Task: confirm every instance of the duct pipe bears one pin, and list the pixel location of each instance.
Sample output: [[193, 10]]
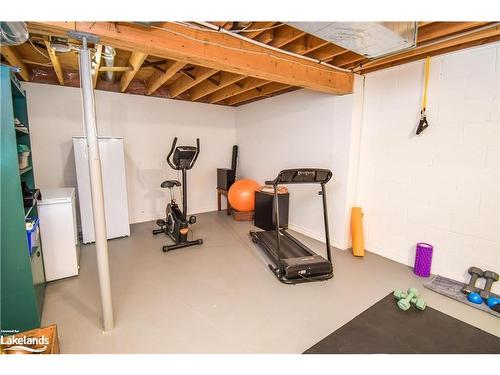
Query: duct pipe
[[13, 33], [101, 241], [109, 60]]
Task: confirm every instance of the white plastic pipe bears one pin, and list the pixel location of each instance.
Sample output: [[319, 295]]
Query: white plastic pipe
[[101, 241]]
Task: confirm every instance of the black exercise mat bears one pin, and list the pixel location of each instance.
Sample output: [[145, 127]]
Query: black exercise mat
[[385, 328]]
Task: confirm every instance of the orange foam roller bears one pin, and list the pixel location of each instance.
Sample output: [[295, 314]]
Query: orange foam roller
[[358, 243], [241, 195]]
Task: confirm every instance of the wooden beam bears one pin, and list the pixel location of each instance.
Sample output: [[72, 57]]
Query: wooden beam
[[207, 87], [13, 58], [327, 52], [213, 50], [346, 58], [262, 91], [56, 64], [440, 29], [226, 78], [265, 37], [259, 26], [97, 57], [406, 60], [116, 68], [135, 61], [246, 84], [306, 44], [158, 78], [285, 34], [31, 62], [183, 84], [488, 33], [147, 63]]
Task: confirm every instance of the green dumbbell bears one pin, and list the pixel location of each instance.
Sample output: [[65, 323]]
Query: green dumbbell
[[405, 299]]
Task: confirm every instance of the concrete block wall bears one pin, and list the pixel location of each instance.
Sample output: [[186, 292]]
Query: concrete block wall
[[441, 187]]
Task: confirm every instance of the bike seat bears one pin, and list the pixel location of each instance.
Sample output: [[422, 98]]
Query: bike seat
[[170, 184]]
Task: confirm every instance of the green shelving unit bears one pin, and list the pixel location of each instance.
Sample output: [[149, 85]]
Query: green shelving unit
[[22, 278]]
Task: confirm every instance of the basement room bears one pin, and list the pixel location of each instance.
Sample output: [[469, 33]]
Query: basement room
[[192, 185]]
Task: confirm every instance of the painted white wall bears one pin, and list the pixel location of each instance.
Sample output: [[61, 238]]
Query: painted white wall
[[148, 126], [441, 187], [301, 129]]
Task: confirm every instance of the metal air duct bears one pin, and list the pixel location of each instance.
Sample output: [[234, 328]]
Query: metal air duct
[[13, 33], [370, 39]]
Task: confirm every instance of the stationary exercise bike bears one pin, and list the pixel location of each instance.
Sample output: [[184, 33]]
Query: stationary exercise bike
[[176, 225]]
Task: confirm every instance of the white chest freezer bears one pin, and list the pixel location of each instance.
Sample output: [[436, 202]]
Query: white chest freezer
[[114, 186], [61, 251]]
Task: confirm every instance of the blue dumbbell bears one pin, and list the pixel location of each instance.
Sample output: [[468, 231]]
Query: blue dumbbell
[[492, 301], [475, 298]]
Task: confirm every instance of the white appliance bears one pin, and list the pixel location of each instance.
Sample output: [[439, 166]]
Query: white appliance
[[61, 251], [114, 186]]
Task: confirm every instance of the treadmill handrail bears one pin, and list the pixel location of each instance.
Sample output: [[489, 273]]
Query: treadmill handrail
[[291, 174], [302, 176]]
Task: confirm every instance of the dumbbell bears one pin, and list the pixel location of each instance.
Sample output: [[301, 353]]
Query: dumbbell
[[406, 299], [490, 277], [492, 301], [475, 273]]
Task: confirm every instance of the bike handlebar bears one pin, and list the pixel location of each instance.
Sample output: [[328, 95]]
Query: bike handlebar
[[174, 143]]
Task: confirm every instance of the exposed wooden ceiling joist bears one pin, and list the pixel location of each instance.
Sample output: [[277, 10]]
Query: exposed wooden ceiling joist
[[159, 78], [207, 87], [116, 68], [285, 34], [183, 84], [263, 91], [259, 28], [56, 64], [440, 29], [13, 58], [245, 84], [225, 86], [97, 58], [135, 61], [211, 49], [327, 52]]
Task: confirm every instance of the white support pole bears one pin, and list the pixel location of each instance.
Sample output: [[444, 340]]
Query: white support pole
[[101, 241]]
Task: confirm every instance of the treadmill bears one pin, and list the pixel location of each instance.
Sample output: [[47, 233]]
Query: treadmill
[[293, 262]]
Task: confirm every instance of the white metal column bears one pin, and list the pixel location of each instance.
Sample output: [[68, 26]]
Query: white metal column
[[101, 241]]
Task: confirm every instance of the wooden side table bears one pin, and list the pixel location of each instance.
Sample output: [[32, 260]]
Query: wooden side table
[[221, 192]]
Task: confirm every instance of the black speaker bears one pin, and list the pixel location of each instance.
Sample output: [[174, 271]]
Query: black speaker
[[225, 178]]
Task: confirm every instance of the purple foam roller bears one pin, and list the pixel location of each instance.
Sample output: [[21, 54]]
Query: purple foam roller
[[423, 260]]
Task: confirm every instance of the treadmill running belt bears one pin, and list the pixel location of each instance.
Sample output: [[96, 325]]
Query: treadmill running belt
[[288, 248]]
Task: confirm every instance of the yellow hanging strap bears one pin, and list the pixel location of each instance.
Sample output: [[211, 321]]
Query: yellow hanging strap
[[426, 81], [423, 124]]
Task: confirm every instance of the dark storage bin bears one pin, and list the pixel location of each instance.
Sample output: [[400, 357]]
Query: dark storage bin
[[225, 178], [264, 210]]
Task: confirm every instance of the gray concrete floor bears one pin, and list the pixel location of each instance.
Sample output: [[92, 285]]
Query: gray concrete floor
[[221, 297]]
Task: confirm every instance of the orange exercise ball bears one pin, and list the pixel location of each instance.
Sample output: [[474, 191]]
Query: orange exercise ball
[[241, 195]]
